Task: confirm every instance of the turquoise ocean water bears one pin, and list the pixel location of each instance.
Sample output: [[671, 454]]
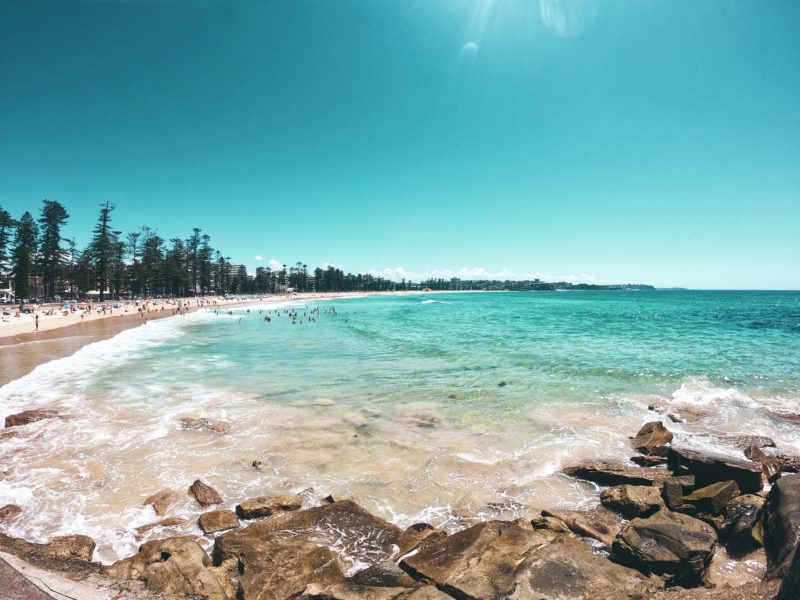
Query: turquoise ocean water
[[439, 407]]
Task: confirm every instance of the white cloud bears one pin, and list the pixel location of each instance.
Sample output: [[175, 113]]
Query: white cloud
[[275, 264], [258, 258]]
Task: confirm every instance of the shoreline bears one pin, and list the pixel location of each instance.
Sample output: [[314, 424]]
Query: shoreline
[[22, 350]]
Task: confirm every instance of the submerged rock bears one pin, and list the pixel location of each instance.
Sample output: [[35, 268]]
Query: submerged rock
[[204, 424], [168, 522], [161, 501], [218, 520], [175, 565], [633, 500], [745, 441], [708, 468], [614, 473], [669, 544], [204, 494], [30, 416], [9, 512], [265, 506], [782, 525], [653, 439]]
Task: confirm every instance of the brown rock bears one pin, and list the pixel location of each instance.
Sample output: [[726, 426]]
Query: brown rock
[[218, 520], [673, 545], [653, 439], [566, 568], [30, 416], [176, 565], [633, 500], [770, 465], [203, 424], [742, 529], [599, 523], [265, 506], [790, 587], [613, 473], [713, 498], [71, 554], [350, 591], [384, 574], [745, 441], [161, 501], [168, 522], [427, 592], [9, 512], [72, 546], [204, 494], [672, 492], [344, 525], [750, 591], [273, 567], [648, 461], [708, 468], [785, 416], [417, 534], [782, 525], [478, 562]]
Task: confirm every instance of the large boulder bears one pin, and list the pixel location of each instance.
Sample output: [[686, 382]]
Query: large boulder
[[265, 506], [653, 439], [633, 500], [782, 525], [293, 549], [713, 498], [204, 494], [30, 416], [478, 562], [669, 544], [277, 567], [176, 565], [743, 529], [598, 523], [709, 467], [790, 586], [615, 473], [566, 568]]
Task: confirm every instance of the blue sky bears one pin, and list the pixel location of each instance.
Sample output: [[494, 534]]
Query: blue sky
[[599, 141]]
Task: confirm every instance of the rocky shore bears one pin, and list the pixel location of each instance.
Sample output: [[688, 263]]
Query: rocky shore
[[662, 519]]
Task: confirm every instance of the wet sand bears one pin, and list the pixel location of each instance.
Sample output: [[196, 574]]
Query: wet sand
[[20, 354]]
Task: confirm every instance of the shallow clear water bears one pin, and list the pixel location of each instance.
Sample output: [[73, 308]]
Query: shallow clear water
[[446, 407]]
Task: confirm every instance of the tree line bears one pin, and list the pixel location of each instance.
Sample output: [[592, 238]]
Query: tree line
[[42, 264]]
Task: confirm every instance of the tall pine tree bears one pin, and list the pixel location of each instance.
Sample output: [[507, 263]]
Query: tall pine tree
[[24, 255], [54, 215]]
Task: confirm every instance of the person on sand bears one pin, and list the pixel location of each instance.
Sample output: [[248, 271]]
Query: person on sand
[[36, 320]]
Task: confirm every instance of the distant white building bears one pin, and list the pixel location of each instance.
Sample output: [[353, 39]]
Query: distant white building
[[6, 291]]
